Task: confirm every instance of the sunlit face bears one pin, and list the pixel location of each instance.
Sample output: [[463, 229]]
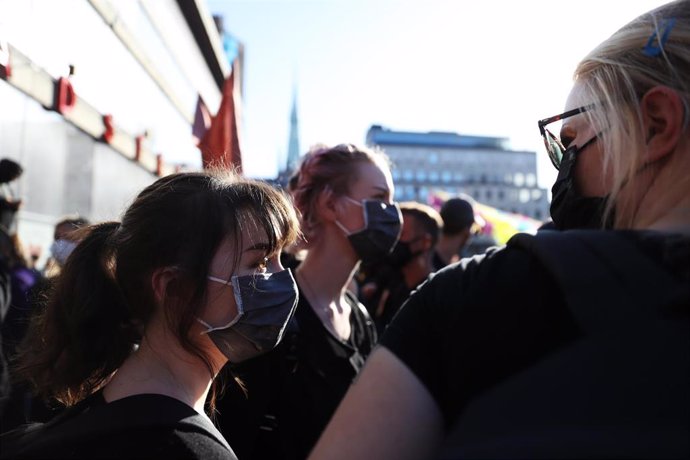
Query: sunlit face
[[589, 174], [374, 182], [221, 307]]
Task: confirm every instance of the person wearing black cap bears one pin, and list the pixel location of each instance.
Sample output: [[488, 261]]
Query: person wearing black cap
[[458, 217]]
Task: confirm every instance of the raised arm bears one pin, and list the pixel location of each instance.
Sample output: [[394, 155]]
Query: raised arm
[[387, 414]]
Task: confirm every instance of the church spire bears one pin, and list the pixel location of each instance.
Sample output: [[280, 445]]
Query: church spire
[[293, 145]]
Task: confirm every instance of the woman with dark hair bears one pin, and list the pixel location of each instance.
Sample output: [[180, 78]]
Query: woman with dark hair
[[147, 311]]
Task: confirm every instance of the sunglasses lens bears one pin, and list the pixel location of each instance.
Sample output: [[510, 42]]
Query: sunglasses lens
[[554, 148]]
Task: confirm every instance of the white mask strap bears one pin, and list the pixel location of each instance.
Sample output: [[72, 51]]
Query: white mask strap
[[343, 228], [352, 200], [238, 302], [219, 280]]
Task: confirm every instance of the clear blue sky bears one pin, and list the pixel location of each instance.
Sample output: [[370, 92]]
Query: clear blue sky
[[483, 67]]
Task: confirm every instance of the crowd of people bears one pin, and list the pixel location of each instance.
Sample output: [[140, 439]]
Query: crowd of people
[[224, 318]]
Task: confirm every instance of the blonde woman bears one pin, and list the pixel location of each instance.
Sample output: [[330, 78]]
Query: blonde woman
[[499, 356]]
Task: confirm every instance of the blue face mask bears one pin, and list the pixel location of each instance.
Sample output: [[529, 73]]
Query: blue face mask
[[265, 304], [382, 227]]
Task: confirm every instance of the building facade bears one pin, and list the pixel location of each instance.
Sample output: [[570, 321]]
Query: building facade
[[97, 100], [443, 163]]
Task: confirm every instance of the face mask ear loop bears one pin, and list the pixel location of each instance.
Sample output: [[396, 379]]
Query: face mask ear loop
[[363, 205], [208, 327], [238, 301], [342, 227], [238, 298]]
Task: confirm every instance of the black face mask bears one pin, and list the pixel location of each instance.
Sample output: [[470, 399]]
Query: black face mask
[[402, 254], [382, 227], [569, 209]]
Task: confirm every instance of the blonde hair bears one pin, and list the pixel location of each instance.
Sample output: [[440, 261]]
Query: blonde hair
[[618, 72]]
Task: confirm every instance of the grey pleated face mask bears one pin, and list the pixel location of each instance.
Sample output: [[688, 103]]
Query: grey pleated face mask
[[265, 304]]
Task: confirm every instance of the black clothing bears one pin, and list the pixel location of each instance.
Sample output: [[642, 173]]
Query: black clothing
[[141, 426], [28, 288], [5, 301], [292, 392], [475, 245], [619, 391], [437, 262], [486, 318], [388, 300]]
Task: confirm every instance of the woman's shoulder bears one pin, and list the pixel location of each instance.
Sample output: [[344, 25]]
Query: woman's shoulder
[[493, 271], [133, 426]]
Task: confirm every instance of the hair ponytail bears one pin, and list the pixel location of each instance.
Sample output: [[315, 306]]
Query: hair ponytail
[[85, 331]]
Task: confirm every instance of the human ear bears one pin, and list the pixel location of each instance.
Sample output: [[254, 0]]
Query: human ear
[[160, 280], [662, 117], [327, 205]]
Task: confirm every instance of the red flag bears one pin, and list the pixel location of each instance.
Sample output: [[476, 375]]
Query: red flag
[[202, 121], [220, 145], [5, 64]]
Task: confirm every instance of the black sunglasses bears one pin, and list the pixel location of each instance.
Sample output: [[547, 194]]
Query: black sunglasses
[[553, 144]]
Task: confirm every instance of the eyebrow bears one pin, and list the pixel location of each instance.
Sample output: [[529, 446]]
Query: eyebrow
[[263, 246], [382, 189]]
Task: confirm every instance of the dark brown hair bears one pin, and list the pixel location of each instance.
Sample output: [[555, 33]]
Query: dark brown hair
[[103, 298], [426, 218]]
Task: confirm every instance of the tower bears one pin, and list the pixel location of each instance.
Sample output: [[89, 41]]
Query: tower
[[293, 145]]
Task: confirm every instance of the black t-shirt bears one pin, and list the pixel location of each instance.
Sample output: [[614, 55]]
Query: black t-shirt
[[460, 336], [437, 262], [141, 426], [292, 392], [389, 299], [482, 320]]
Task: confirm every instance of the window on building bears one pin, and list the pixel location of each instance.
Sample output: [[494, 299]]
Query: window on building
[[501, 195], [489, 195], [519, 179], [536, 194], [421, 175], [530, 180], [433, 176], [423, 192], [446, 176], [524, 195]]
